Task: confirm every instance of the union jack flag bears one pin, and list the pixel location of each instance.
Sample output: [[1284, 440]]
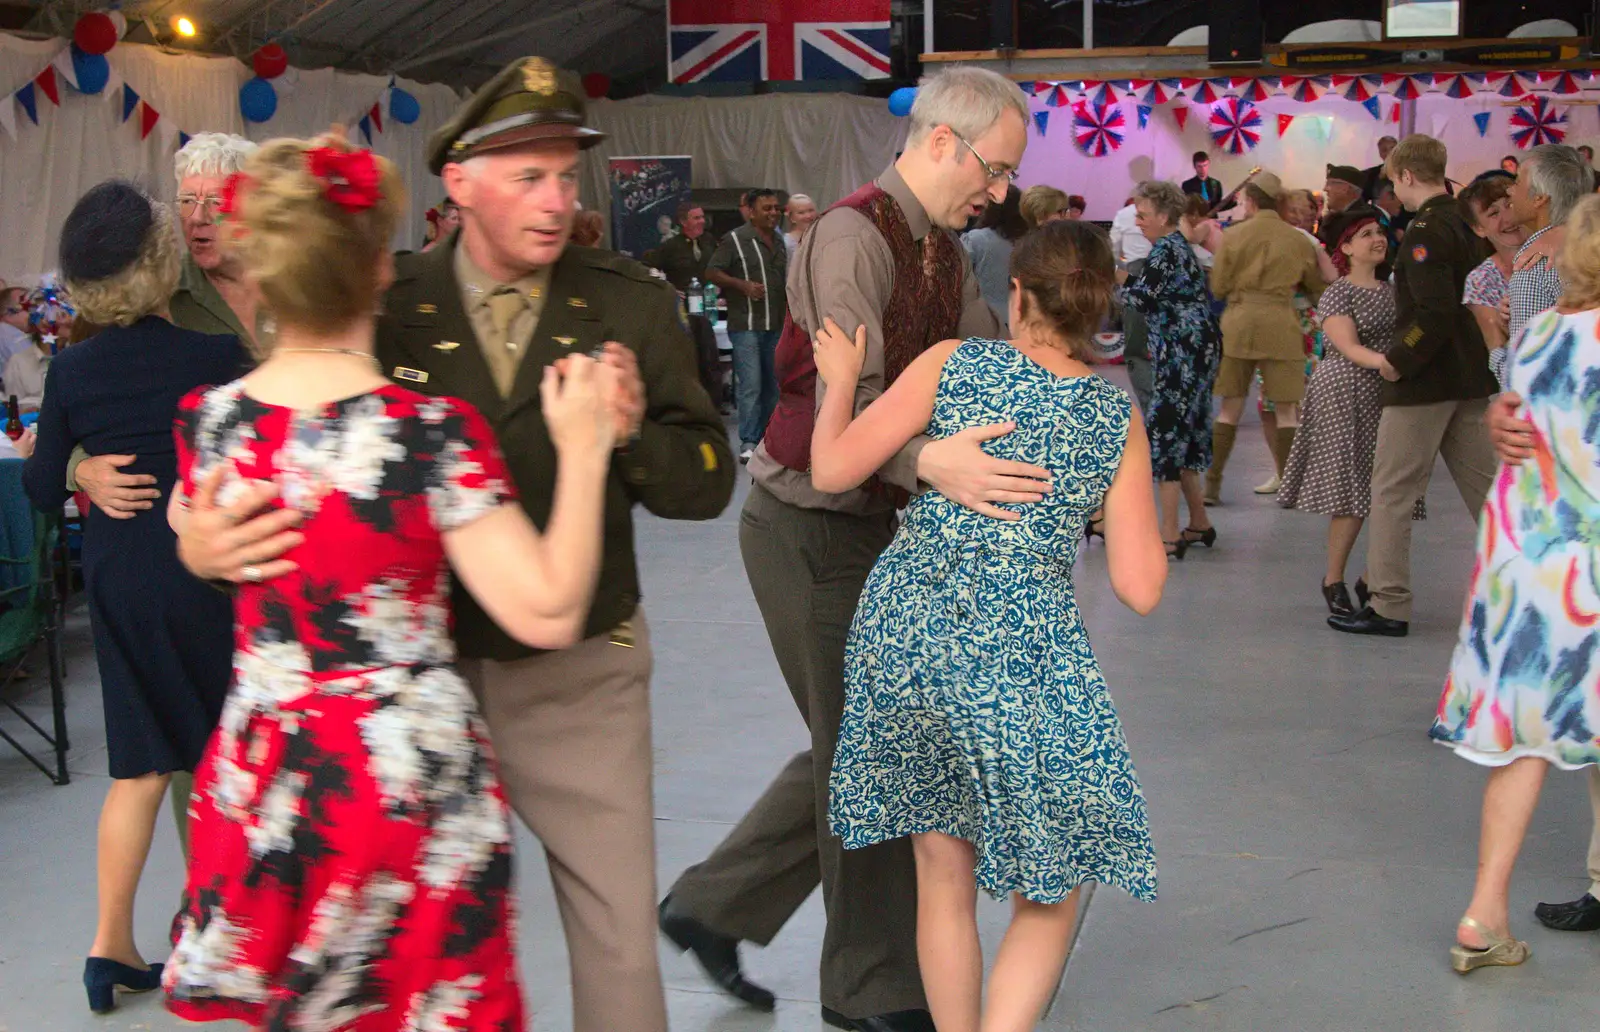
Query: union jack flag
[[749, 40]]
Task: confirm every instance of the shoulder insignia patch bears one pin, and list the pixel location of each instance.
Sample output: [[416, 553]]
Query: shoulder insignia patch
[[1419, 253]]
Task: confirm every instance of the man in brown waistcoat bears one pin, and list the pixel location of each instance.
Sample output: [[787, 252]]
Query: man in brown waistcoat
[[884, 258]]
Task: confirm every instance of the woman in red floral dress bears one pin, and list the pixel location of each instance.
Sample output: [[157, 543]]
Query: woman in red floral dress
[[352, 864]]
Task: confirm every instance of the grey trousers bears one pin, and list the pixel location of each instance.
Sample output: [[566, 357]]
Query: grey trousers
[[1594, 839], [807, 568]]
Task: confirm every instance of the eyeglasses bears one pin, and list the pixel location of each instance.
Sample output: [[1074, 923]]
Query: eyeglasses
[[188, 204], [994, 174]]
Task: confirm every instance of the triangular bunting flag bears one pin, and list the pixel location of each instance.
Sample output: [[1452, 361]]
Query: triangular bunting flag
[[8, 118], [148, 117], [1026, 87], [130, 100], [377, 117], [1284, 122], [1181, 113], [1374, 107], [1481, 120], [365, 125], [63, 66], [183, 139], [29, 102], [47, 83], [1041, 119], [1144, 115], [1394, 114]]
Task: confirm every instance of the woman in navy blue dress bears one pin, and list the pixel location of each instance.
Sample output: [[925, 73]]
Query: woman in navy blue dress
[[162, 638]]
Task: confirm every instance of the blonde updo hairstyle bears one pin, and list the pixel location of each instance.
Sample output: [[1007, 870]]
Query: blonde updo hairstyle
[[318, 266], [1067, 277], [1579, 260]]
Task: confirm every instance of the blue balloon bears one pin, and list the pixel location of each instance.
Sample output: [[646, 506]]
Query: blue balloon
[[403, 107], [258, 101], [900, 101], [92, 71]]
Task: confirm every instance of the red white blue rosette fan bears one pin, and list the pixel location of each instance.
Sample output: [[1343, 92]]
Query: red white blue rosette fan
[[1098, 128], [1539, 123], [1235, 125]]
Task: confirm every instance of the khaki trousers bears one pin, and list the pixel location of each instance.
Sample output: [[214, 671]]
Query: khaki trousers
[[1594, 839], [807, 568], [571, 732], [1409, 438]]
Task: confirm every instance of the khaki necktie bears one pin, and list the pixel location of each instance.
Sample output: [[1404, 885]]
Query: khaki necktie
[[505, 304]]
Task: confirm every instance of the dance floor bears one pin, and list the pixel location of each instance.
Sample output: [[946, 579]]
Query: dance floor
[[1315, 849]]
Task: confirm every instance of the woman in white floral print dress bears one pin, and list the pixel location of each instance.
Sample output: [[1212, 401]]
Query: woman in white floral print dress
[[352, 863]]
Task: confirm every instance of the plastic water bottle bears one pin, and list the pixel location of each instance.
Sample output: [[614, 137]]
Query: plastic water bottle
[[713, 300], [696, 297]]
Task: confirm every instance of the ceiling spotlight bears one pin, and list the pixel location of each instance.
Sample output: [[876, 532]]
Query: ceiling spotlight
[[183, 27]]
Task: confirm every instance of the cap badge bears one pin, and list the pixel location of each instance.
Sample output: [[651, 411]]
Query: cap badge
[[447, 345], [538, 76]]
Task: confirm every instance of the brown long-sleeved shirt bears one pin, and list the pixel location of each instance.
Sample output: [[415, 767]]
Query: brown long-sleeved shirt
[[843, 268]]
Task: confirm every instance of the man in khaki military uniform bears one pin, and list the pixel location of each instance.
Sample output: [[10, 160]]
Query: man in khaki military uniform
[[1261, 263], [479, 318]]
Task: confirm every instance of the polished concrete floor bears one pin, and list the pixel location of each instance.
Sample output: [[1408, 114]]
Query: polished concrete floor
[[1315, 848]]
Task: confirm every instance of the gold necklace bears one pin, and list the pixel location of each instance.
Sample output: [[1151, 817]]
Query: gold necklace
[[352, 352]]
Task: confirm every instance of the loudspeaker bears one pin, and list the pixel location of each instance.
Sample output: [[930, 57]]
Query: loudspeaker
[[1592, 49], [1235, 32]]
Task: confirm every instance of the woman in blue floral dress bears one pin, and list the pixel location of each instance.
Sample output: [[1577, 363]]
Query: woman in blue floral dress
[[1524, 688], [1185, 348], [976, 719]]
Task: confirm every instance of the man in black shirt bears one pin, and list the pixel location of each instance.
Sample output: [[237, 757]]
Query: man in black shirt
[[1202, 185]]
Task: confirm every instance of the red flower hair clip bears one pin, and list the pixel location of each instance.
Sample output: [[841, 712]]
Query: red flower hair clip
[[351, 178], [232, 195]]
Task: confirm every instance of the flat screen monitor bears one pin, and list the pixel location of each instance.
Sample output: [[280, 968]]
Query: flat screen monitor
[[1421, 19]]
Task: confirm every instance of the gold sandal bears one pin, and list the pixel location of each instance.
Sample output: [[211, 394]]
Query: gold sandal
[[1501, 951]]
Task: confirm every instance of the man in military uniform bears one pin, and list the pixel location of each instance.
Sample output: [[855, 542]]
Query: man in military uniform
[[1437, 384], [682, 259], [479, 318]]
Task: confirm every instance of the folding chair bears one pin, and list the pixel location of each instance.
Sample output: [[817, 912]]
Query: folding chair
[[28, 591]]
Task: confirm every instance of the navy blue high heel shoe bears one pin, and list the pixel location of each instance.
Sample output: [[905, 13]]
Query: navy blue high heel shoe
[[102, 978]]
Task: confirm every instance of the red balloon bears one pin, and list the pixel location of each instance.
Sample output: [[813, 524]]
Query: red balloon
[[270, 61], [596, 85], [95, 33]]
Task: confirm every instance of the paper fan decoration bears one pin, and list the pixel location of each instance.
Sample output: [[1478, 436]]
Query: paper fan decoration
[[1235, 125], [1408, 87], [1537, 124], [1308, 90], [1255, 91], [1566, 84], [1456, 86], [1098, 128]]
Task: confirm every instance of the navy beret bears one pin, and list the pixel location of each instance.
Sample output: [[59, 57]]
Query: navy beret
[[105, 231]]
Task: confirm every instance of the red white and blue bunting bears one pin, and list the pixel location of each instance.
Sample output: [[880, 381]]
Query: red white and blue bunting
[[1354, 86]]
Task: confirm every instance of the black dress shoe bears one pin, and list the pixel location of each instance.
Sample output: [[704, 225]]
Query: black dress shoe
[[898, 1021], [1369, 622], [1581, 915], [717, 954]]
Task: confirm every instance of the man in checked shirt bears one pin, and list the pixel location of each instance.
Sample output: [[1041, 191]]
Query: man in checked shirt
[[1551, 181]]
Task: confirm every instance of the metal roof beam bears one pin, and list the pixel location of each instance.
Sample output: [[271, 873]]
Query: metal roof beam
[[430, 56]]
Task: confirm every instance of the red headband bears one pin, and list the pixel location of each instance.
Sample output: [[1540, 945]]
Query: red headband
[[1341, 261]]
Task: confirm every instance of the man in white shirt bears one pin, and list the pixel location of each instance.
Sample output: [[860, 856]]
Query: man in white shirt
[[13, 324], [25, 372], [1127, 243]]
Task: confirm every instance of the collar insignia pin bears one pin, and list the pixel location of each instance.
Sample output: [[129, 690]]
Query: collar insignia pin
[[427, 309], [447, 345]]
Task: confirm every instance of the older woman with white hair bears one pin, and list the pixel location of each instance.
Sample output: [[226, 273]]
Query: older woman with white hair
[[163, 640], [801, 212], [1185, 346]]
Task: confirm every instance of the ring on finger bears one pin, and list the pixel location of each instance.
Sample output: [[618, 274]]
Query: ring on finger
[[250, 574]]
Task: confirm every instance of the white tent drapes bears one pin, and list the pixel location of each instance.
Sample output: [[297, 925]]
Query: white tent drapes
[[822, 144], [45, 168]]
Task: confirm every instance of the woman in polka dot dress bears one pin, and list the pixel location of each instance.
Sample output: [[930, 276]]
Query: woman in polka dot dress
[[1329, 470]]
